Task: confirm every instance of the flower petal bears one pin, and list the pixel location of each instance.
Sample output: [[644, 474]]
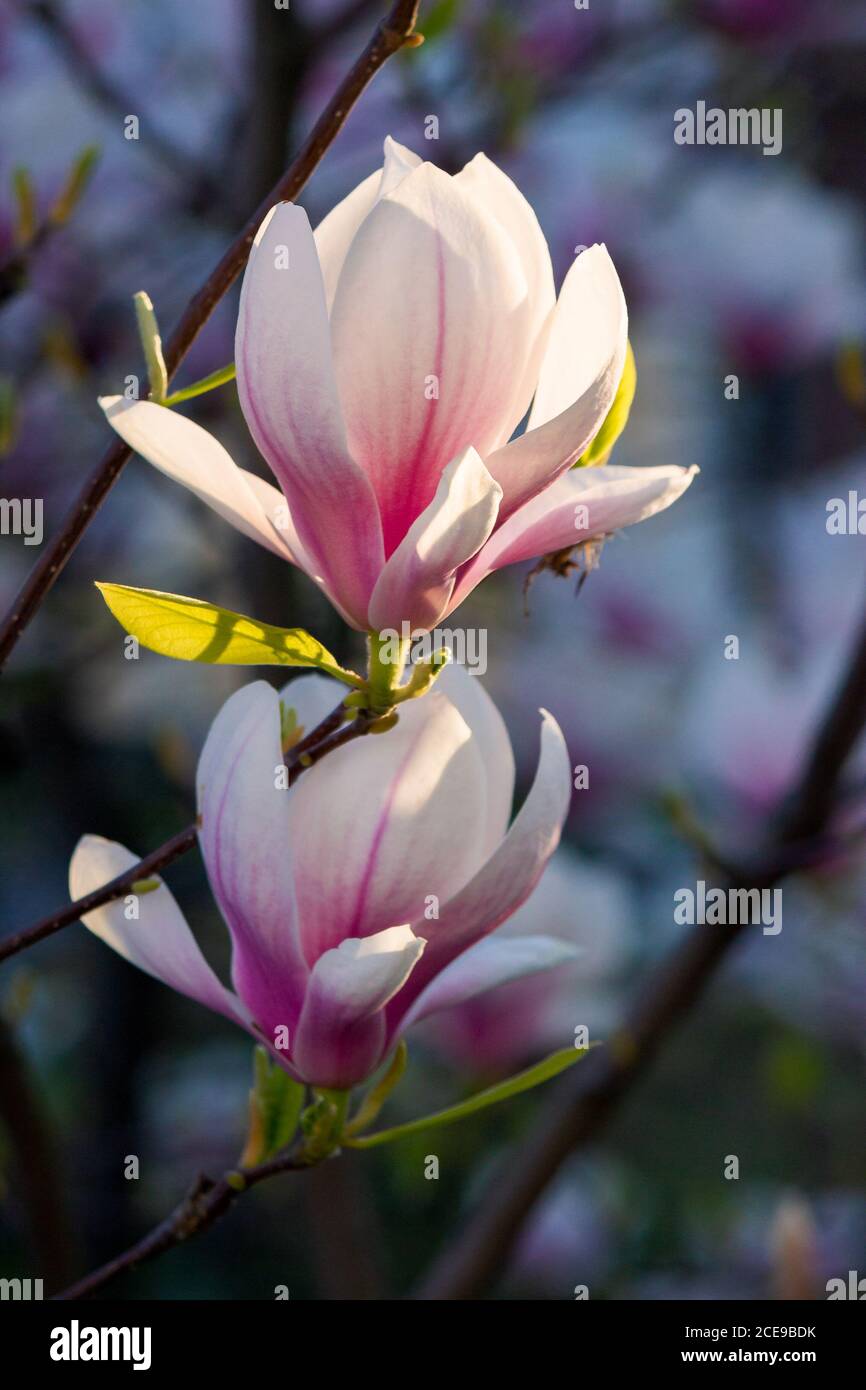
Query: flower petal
[[312, 698], [341, 1031], [431, 316], [485, 182], [582, 366], [158, 940], [289, 398], [509, 875], [418, 579], [584, 504], [490, 735], [244, 838], [188, 454], [406, 811], [491, 962], [336, 232]]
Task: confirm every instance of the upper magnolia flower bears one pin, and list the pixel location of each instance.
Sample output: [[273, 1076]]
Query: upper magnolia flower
[[383, 365], [352, 897]]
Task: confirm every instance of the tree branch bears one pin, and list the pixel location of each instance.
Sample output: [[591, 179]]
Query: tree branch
[[396, 31], [578, 1109], [153, 863], [204, 1204], [14, 270]]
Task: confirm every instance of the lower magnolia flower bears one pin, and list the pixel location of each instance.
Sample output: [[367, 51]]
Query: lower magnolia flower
[[383, 365], [352, 897]]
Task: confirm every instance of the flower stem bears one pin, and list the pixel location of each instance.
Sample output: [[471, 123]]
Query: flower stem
[[386, 662]]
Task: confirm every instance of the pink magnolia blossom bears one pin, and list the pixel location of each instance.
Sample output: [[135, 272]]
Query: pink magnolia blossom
[[383, 364], [353, 897]]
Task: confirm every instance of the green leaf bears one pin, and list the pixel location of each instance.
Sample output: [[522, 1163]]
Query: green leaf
[[280, 1098], [188, 629], [503, 1090], [198, 388], [76, 182], [145, 885], [151, 342], [275, 1108], [616, 419]]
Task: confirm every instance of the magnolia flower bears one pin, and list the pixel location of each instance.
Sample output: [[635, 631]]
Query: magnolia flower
[[383, 365], [352, 897]]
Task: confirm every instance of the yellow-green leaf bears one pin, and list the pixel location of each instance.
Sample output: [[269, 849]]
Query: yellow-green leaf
[[275, 1108], [616, 419], [77, 180], [188, 629], [503, 1090]]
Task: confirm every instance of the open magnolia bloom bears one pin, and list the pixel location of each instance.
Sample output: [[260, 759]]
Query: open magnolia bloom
[[383, 365], [352, 897]]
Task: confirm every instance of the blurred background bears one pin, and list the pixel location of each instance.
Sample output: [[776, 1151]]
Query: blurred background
[[735, 264]]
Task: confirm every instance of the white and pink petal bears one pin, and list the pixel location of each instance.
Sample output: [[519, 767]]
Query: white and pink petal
[[584, 504], [156, 936], [431, 312], [289, 397], [244, 836], [341, 1031], [491, 962], [336, 232], [583, 361], [507, 878], [189, 455], [418, 579], [384, 824]]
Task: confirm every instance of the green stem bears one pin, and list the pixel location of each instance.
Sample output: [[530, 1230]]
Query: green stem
[[324, 1123], [387, 659], [207, 383]]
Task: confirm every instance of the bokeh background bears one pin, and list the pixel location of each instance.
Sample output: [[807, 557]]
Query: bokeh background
[[734, 263]]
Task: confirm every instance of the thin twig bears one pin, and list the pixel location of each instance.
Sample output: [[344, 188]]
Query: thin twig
[[396, 31], [15, 269], [153, 863], [322, 740], [204, 1204], [578, 1109]]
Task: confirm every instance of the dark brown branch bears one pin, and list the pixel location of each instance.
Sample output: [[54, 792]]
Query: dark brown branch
[[153, 863], [305, 754], [579, 1108], [396, 31], [205, 1203]]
